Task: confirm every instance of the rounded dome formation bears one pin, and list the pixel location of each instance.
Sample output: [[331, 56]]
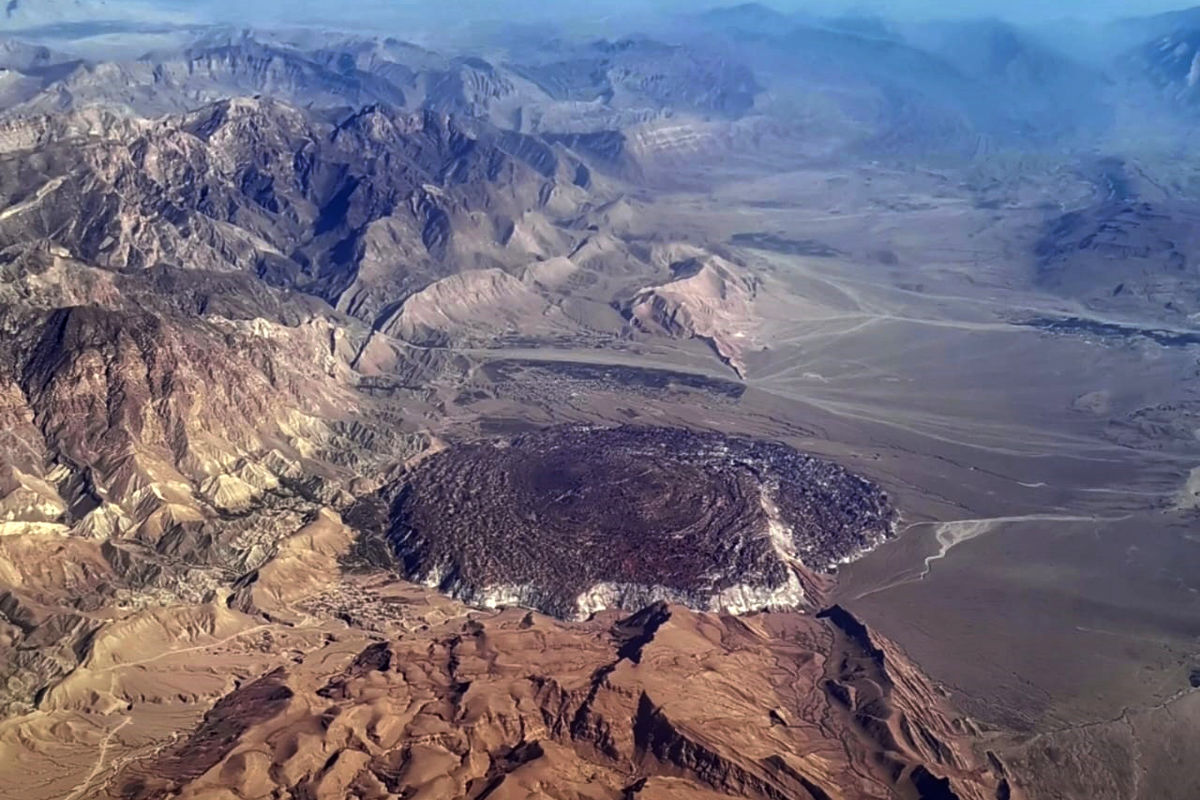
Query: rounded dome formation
[[572, 520]]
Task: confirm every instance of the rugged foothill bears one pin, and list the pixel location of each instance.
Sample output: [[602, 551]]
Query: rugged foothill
[[517, 705], [574, 519]]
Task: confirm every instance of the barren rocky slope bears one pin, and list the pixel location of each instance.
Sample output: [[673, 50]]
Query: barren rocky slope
[[287, 319], [221, 322], [516, 705], [227, 326], [355, 212]]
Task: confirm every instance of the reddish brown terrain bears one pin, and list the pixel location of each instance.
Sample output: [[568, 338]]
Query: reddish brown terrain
[[518, 705], [771, 407]]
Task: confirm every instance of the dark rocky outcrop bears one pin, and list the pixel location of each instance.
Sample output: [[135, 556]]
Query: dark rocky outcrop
[[571, 520]]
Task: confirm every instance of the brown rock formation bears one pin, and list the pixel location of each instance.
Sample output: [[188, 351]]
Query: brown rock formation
[[667, 703]]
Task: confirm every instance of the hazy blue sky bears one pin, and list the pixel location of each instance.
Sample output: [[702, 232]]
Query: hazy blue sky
[[1012, 9], [535, 9]]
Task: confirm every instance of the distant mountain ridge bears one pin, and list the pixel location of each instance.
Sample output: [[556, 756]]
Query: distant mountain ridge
[[1171, 64], [24, 14], [863, 83]]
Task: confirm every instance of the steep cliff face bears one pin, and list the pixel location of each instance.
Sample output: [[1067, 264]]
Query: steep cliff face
[[662, 704]]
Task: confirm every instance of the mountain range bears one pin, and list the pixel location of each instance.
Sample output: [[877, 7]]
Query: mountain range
[[697, 412]]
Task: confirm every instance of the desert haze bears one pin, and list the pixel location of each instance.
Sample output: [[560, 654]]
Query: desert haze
[[645, 402]]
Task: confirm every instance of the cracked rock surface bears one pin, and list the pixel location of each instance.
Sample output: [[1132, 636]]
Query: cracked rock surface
[[574, 519]]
